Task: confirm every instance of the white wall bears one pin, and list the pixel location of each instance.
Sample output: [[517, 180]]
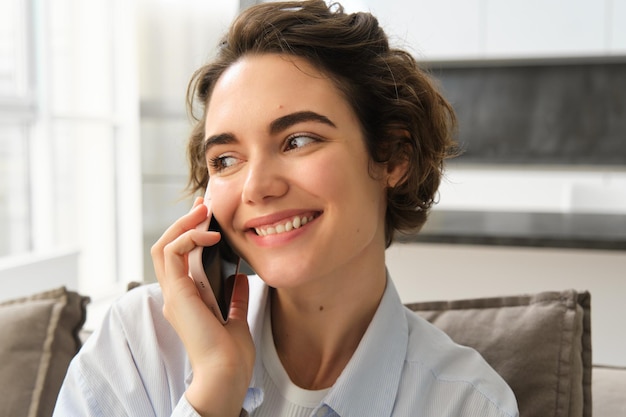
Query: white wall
[[424, 272], [475, 29]]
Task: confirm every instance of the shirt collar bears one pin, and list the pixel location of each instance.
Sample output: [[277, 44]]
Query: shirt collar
[[256, 313], [369, 383]]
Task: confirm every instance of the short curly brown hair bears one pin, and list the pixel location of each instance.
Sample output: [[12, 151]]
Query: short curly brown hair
[[402, 113]]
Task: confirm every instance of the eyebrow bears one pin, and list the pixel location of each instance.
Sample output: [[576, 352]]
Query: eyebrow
[[276, 126], [219, 139], [285, 122]]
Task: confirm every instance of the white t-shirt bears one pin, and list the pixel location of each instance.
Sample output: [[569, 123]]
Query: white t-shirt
[[281, 397]]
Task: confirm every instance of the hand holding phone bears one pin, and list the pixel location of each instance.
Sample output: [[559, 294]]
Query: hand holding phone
[[213, 268]]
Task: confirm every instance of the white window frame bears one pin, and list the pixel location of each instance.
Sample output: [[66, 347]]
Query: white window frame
[[99, 275]]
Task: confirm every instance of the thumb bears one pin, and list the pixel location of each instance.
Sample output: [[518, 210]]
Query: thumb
[[239, 301]]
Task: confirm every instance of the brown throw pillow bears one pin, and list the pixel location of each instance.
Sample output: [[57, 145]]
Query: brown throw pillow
[[540, 344], [39, 338]]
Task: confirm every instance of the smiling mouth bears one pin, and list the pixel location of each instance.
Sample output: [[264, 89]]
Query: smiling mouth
[[287, 226]]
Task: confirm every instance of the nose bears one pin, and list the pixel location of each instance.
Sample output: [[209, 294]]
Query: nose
[[264, 181]]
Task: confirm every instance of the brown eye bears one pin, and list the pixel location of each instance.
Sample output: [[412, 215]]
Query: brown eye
[[299, 141], [222, 162]]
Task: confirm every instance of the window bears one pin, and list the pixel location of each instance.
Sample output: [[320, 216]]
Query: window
[[69, 142], [16, 117], [74, 77]]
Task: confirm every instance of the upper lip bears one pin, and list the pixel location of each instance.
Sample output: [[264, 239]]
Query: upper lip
[[278, 217]]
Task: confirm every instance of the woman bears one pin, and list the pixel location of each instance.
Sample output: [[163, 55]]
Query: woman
[[317, 142]]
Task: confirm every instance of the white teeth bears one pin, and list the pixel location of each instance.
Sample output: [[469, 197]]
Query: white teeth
[[295, 223]]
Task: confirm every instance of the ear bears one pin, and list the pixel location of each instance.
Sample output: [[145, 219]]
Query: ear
[[398, 164], [396, 171]]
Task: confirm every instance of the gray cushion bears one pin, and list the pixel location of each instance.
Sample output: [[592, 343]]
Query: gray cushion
[[540, 344], [39, 338]]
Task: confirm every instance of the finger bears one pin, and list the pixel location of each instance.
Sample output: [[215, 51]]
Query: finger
[[237, 324], [179, 291], [239, 301], [175, 253], [189, 221], [182, 225]]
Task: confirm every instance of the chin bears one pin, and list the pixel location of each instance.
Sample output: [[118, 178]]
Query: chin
[[283, 276]]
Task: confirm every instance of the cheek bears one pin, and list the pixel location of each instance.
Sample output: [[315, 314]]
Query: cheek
[[224, 198], [345, 175], [323, 175]]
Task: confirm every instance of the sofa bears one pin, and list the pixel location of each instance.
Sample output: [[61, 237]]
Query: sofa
[[539, 343]]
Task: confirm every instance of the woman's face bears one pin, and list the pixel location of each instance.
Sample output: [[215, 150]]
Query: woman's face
[[290, 177]]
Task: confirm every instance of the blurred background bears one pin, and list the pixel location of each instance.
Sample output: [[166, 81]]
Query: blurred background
[[93, 128]]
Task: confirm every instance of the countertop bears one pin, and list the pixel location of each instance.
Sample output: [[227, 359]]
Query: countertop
[[556, 230]]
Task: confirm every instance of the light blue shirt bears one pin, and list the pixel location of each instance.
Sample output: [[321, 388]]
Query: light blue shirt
[[135, 365]]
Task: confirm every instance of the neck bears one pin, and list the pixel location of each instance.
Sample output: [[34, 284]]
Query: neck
[[317, 330]]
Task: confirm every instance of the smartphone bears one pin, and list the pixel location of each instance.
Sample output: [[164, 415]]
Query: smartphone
[[213, 268]]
